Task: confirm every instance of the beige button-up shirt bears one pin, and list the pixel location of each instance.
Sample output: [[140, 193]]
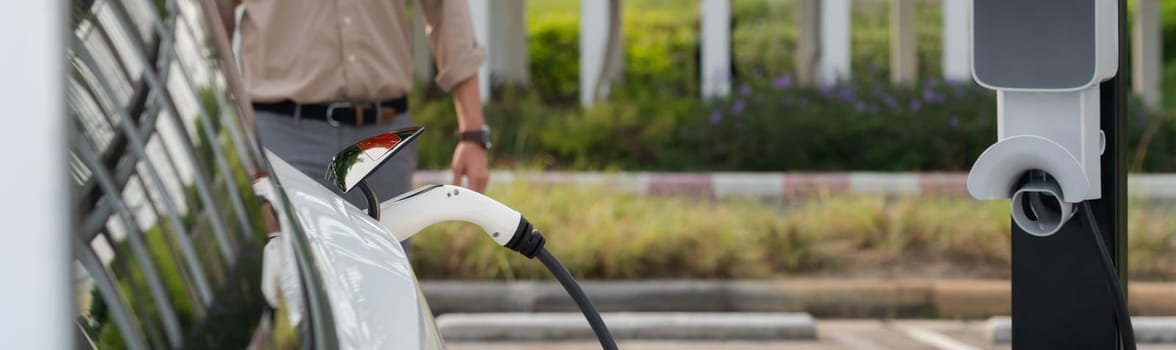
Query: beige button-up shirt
[[314, 51]]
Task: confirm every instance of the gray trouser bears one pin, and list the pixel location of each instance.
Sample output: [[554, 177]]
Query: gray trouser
[[309, 145]]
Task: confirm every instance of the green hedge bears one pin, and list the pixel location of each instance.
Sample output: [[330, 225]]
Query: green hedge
[[661, 45], [767, 125], [764, 39]]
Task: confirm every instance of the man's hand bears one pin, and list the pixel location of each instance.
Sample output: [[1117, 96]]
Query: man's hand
[[469, 161]]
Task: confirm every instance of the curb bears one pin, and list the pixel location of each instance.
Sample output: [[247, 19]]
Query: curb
[[1153, 330], [661, 326], [835, 298], [780, 184]]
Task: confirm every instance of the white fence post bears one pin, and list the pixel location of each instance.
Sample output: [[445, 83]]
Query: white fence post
[[508, 35], [422, 53], [715, 69], [836, 59], [1147, 47], [904, 60], [593, 41], [480, 16], [808, 40], [957, 40]]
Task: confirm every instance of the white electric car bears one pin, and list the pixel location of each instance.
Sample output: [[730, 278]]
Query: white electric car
[[188, 233]]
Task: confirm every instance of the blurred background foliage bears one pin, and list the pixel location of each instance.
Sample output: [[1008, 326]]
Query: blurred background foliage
[[654, 119]]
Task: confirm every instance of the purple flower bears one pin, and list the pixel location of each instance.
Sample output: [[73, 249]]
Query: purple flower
[[916, 105], [859, 107], [716, 117], [932, 96], [782, 82], [890, 102], [745, 90], [954, 121], [738, 107], [827, 91], [845, 94]]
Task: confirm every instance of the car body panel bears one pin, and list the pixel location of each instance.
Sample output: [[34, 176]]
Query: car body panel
[[174, 218], [374, 295]]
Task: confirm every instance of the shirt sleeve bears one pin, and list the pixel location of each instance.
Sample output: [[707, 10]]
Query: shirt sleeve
[[228, 11], [451, 33]]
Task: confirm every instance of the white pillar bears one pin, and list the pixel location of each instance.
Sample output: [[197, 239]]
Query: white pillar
[[835, 61], [422, 51], [1146, 49], [807, 17], [957, 40], [593, 39], [716, 48], [508, 35], [35, 256], [480, 16], [904, 60]]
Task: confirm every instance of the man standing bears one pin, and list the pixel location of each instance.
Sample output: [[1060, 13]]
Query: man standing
[[324, 74]]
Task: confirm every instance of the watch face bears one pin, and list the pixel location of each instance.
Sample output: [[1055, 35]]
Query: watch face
[[486, 137]]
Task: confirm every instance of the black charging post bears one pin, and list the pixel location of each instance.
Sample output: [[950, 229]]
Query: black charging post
[[1059, 290]]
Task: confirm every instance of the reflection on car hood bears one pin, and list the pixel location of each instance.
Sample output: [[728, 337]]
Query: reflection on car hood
[[367, 277]]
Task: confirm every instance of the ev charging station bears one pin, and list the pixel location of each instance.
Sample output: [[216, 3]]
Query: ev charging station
[[1060, 146]]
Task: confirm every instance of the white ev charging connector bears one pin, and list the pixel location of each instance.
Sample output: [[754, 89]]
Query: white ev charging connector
[[411, 212], [1046, 74]]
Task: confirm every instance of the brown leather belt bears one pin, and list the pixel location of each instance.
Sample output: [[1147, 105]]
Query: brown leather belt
[[340, 113]]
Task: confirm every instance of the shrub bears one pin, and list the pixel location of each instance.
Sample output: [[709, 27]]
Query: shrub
[[662, 42], [767, 125], [554, 46], [1168, 24], [661, 54], [770, 126], [660, 49]]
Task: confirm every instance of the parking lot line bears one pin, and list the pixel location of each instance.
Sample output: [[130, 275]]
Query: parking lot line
[[939, 341], [854, 342]]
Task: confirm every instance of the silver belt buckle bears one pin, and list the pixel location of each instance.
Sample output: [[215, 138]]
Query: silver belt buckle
[[331, 111]]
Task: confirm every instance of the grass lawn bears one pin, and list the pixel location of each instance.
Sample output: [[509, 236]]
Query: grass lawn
[[603, 234]]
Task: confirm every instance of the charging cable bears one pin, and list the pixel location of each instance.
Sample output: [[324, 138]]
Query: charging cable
[[1122, 317], [411, 212], [529, 242]]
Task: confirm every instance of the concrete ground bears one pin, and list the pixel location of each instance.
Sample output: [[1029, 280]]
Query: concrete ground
[[831, 334]]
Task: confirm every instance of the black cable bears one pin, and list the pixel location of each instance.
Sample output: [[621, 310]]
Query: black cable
[[373, 202], [1122, 316], [569, 283]]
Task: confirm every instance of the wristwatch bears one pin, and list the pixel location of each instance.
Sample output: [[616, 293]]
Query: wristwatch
[[479, 137]]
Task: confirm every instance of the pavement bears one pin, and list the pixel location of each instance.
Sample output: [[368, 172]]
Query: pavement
[[629, 325], [832, 334], [820, 297]]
